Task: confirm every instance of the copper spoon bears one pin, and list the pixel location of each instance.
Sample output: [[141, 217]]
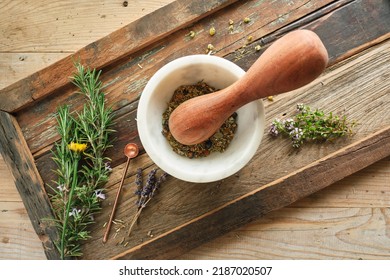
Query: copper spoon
[[131, 151], [291, 62]]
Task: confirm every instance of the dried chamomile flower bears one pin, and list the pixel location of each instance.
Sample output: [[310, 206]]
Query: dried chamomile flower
[[191, 34], [212, 31]]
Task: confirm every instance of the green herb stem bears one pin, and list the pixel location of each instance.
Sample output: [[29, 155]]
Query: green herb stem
[[68, 204]]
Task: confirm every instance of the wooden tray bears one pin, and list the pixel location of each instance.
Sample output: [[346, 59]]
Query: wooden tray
[[184, 215]]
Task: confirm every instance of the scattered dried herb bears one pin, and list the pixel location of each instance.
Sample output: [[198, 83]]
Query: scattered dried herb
[[191, 34], [311, 125], [212, 31], [218, 142], [210, 48]]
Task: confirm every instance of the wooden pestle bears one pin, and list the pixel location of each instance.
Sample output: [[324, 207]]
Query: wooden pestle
[[291, 62]]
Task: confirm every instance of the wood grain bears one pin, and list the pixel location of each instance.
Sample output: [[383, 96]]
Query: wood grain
[[299, 252], [306, 233], [52, 27], [14, 149], [109, 49], [16, 66], [18, 239]]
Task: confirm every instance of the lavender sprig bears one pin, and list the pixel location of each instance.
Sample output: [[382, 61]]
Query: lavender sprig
[[146, 192], [138, 183]]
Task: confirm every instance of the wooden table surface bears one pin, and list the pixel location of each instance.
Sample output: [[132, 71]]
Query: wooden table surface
[[347, 220]]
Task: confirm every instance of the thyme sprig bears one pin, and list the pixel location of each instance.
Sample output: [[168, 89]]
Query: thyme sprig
[[82, 169], [311, 126]]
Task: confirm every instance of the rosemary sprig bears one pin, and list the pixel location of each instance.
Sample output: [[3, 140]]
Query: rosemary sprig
[[311, 126], [82, 169]]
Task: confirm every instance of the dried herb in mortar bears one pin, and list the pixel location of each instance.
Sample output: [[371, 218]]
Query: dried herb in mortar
[[218, 142]]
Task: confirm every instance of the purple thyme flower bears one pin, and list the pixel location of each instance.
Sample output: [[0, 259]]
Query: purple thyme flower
[[296, 133], [289, 124], [301, 108], [274, 130]]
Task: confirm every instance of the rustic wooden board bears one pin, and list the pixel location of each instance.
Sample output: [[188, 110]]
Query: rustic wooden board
[[27, 180], [185, 215]]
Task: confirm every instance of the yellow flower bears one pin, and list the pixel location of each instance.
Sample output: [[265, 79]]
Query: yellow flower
[[77, 147]]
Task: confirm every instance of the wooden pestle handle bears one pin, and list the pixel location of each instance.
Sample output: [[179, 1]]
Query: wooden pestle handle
[[291, 62]]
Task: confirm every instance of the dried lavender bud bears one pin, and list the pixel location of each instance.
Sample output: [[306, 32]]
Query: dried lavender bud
[[158, 182], [147, 189], [138, 181]]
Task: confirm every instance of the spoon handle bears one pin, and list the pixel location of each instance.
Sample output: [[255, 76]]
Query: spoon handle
[[105, 237]]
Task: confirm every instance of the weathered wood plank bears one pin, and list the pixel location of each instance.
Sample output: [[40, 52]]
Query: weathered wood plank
[[16, 66], [326, 253], [18, 239], [47, 26], [368, 188], [27, 180], [223, 193], [345, 27], [105, 51], [305, 233]]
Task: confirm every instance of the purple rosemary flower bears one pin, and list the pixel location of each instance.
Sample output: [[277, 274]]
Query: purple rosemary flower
[[107, 167], [75, 212], [100, 194], [61, 187]]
